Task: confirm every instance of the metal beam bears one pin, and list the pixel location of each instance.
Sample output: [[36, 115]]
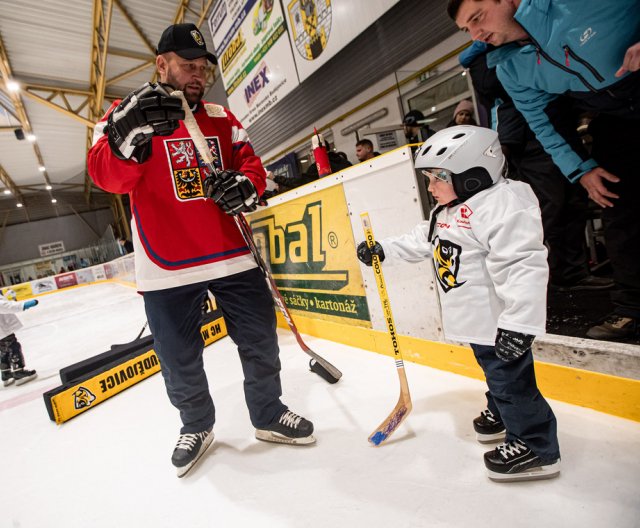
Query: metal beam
[[10, 184], [97, 82], [16, 100], [66, 111]]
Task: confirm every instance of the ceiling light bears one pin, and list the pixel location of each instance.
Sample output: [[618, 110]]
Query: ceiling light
[[7, 191], [48, 187], [53, 200], [13, 86], [31, 137], [42, 168], [19, 204]]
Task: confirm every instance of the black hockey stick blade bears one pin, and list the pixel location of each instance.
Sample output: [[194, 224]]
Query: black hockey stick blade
[[316, 367]]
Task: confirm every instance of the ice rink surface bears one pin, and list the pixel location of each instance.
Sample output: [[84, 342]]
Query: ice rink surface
[[110, 466]]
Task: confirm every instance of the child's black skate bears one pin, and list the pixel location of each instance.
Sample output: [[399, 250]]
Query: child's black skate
[[289, 428], [190, 447], [7, 377], [23, 375], [488, 427], [514, 461]]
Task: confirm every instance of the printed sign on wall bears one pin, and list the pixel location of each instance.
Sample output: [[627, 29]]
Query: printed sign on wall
[[308, 243], [254, 55]]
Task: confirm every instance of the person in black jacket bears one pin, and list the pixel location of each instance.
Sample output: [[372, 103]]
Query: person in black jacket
[[564, 206]]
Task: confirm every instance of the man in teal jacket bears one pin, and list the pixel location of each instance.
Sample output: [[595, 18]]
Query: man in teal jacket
[[589, 51]]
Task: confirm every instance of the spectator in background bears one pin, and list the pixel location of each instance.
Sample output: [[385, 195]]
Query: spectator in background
[[589, 51], [415, 127], [463, 114], [563, 205], [364, 150], [11, 358]]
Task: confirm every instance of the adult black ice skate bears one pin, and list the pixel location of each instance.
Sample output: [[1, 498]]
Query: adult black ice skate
[[514, 461], [189, 449], [488, 427], [289, 428]]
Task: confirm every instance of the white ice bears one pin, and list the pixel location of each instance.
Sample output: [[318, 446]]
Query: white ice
[[110, 466]]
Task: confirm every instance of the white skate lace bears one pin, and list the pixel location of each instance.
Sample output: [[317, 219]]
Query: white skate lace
[[188, 441], [489, 415], [509, 449], [290, 419]]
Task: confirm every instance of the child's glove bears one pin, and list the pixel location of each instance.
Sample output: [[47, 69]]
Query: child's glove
[[511, 345], [30, 304], [365, 254]]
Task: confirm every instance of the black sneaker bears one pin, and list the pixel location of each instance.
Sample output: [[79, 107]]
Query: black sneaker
[[22, 375], [514, 461], [488, 427], [288, 429], [614, 327], [190, 447], [588, 283]]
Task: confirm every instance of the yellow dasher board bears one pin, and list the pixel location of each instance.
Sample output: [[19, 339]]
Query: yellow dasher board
[[95, 386]]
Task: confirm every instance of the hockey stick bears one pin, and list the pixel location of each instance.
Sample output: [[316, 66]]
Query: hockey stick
[[317, 364], [403, 407]]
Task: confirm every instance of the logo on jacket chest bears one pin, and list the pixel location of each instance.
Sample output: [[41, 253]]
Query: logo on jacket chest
[[187, 167], [446, 259]]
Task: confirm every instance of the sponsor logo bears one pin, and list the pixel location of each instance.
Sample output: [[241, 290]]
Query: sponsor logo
[[256, 85], [232, 52], [295, 253]]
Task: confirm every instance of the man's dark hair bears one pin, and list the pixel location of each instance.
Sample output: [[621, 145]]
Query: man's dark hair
[[365, 143], [452, 8]]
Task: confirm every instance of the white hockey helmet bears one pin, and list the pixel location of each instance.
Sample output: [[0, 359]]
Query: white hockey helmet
[[469, 157], [10, 294]]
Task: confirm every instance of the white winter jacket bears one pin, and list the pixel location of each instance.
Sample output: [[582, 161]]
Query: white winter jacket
[[9, 323], [489, 261]]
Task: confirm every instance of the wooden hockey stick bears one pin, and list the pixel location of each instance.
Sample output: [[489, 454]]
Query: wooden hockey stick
[[318, 364], [403, 407]]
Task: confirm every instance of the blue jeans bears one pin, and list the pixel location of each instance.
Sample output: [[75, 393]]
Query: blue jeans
[[514, 398], [175, 319]]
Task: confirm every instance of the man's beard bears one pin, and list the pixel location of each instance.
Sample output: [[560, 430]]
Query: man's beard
[[192, 98]]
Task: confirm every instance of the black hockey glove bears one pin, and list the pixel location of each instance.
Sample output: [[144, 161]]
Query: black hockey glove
[[146, 112], [232, 191], [511, 345], [365, 254]]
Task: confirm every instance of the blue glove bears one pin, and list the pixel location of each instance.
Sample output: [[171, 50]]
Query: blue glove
[[30, 304]]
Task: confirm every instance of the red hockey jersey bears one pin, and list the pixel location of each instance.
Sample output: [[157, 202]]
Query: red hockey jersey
[[179, 237]]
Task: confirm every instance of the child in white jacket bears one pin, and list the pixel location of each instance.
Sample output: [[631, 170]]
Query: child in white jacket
[[11, 358], [486, 241]]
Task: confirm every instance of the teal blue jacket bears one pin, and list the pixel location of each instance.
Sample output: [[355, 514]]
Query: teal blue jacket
[[575, 48]]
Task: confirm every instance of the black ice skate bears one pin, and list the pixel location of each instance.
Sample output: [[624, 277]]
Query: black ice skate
[[514, 461], [288, 429], [22, 375], [488, 427], [189, 449], [7, 377]]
